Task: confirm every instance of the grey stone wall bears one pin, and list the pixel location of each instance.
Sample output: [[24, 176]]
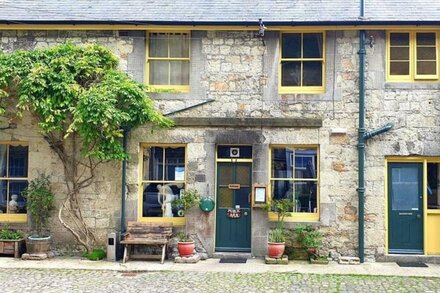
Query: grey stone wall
[[238, 75]]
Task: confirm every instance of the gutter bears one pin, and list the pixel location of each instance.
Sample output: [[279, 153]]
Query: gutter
[[363, 136]]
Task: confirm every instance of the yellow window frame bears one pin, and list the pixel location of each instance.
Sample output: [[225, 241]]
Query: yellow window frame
[[301, 89], [13, 218], [178, 221], [168, 87], [295, 216], [413, 76]]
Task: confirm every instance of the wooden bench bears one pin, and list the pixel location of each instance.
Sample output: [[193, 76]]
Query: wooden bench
[[152, 234]]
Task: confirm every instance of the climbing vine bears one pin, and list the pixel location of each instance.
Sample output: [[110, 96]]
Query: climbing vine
[[81, 102]]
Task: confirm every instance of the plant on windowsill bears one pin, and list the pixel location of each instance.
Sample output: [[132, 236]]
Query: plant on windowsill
[[11, 242], [40, 203], [188, 200], [276, 238], [311, 239]]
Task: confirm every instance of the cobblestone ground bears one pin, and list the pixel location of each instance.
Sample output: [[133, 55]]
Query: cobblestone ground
[[32, 280]]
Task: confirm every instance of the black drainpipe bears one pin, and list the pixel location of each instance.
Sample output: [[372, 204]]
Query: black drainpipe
[[125, 130], [363, 136]]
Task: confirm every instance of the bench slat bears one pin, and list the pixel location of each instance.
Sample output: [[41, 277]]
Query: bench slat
[[145, 241]]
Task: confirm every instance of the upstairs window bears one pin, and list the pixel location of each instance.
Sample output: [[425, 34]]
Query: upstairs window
[[302, 63], [168, 60], [412, 56]]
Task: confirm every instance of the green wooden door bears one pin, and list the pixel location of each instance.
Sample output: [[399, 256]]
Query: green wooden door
[[405, 208], [233, 193]]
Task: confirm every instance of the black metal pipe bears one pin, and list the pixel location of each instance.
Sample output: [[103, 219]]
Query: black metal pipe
[[125, 132]]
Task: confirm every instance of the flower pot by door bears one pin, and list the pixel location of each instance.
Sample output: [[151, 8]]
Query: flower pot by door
[[35, 245], [185, 248], [275, 250]]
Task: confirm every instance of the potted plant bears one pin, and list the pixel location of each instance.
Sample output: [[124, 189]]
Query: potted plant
[[11, 242], [276, 238], [40, 202], [311, 239], [189, 199]]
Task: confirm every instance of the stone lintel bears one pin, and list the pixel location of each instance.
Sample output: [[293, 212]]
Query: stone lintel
[[248, 122]]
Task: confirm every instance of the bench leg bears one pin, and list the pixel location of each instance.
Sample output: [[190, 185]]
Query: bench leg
[[124, 259], [164, 247]]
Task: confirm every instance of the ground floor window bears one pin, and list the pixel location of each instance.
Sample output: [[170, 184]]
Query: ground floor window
[[13, 179], [294, 175], [163, 180]]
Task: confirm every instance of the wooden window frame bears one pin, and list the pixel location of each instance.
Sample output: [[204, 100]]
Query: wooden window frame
[[173, 220], [413, 76], [13, 218], [301, 89], [297, 216], [168, 87]]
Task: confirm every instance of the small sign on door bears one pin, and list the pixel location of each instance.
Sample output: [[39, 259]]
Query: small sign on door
[[234, 186]]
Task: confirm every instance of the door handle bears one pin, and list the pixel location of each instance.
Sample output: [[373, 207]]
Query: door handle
[[418, 216], [245, 213]]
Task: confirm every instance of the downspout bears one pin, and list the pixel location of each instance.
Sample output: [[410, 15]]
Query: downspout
[[125, 131], [363, 136]]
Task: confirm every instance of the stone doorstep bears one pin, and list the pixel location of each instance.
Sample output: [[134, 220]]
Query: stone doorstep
[[195, 258], [349, 260], [284, 260]]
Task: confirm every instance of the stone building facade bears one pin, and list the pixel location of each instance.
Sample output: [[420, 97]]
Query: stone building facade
[[233, 101]]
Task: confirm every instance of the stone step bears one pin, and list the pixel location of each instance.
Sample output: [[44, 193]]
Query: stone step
[[433, 259], [232, 255]]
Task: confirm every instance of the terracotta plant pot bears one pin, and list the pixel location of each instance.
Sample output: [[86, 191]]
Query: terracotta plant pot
[[275, 250], [185, 248], [35, 245]]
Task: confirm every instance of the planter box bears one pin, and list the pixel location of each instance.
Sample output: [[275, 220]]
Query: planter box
[[14, 247]]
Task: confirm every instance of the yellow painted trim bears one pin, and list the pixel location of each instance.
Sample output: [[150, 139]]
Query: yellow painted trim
[[386, 205], [425, 206], [174, 220], [433, 212], [234, 160], [301, 89], [297, 217], [168, 87], [171, 28], [413, 76], [13, 218]]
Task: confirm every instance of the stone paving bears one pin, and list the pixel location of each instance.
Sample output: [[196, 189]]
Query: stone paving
[[60, 280]]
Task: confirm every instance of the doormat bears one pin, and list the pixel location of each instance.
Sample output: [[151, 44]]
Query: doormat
[[411, 264], [233, 260]]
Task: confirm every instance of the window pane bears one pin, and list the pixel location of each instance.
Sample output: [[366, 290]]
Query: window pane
[[425, 39], [399, 68], [290, 73], [225, 198], [306, 197], [282, 163], [153, 163], [282, 189], [405, 185], [3, 160], [159, 72], [291, 46], [433, 186], [399, 39], [305, 163], [18, 161], [399, 53], [3, 196], [426, 67], [312, 45], [158, 45], [175, 164], [312, 73], [179, 72], [224, 152], [179, 45], [157, 199], [426, 53], [17, 203]]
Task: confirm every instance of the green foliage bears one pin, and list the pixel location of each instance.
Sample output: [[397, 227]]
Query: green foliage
[[309, 236], [281, 207], [189, 198], [8, 234], [276, 235], [77, 89], [183, 237], [40, 202], [95, 254]]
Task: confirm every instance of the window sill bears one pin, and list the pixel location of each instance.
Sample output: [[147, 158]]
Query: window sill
[[174, 221], [13, 218], [413, 85], [301, 90], [169, 89], [297, 217]]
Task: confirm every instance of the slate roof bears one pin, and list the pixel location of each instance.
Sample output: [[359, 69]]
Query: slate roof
[[219, 11]]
